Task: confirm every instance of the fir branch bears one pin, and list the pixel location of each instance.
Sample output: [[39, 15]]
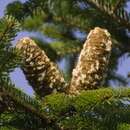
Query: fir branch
[[69, 20], [86, 100], [121, 16], [86, 105], [9, 58], [85, 20], [117, 5], [123, 126], [22, 120], [25, 102], [23, 9], [9, 27], [9, 128], [94, 98]]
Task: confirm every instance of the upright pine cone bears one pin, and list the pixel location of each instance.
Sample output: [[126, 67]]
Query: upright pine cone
[[42, 74], [92, 63]]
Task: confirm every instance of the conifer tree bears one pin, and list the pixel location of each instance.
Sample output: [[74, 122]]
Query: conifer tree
[[77, 99]]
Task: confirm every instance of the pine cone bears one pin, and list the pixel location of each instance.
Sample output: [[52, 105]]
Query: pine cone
[[91, 68], [42, 74]]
